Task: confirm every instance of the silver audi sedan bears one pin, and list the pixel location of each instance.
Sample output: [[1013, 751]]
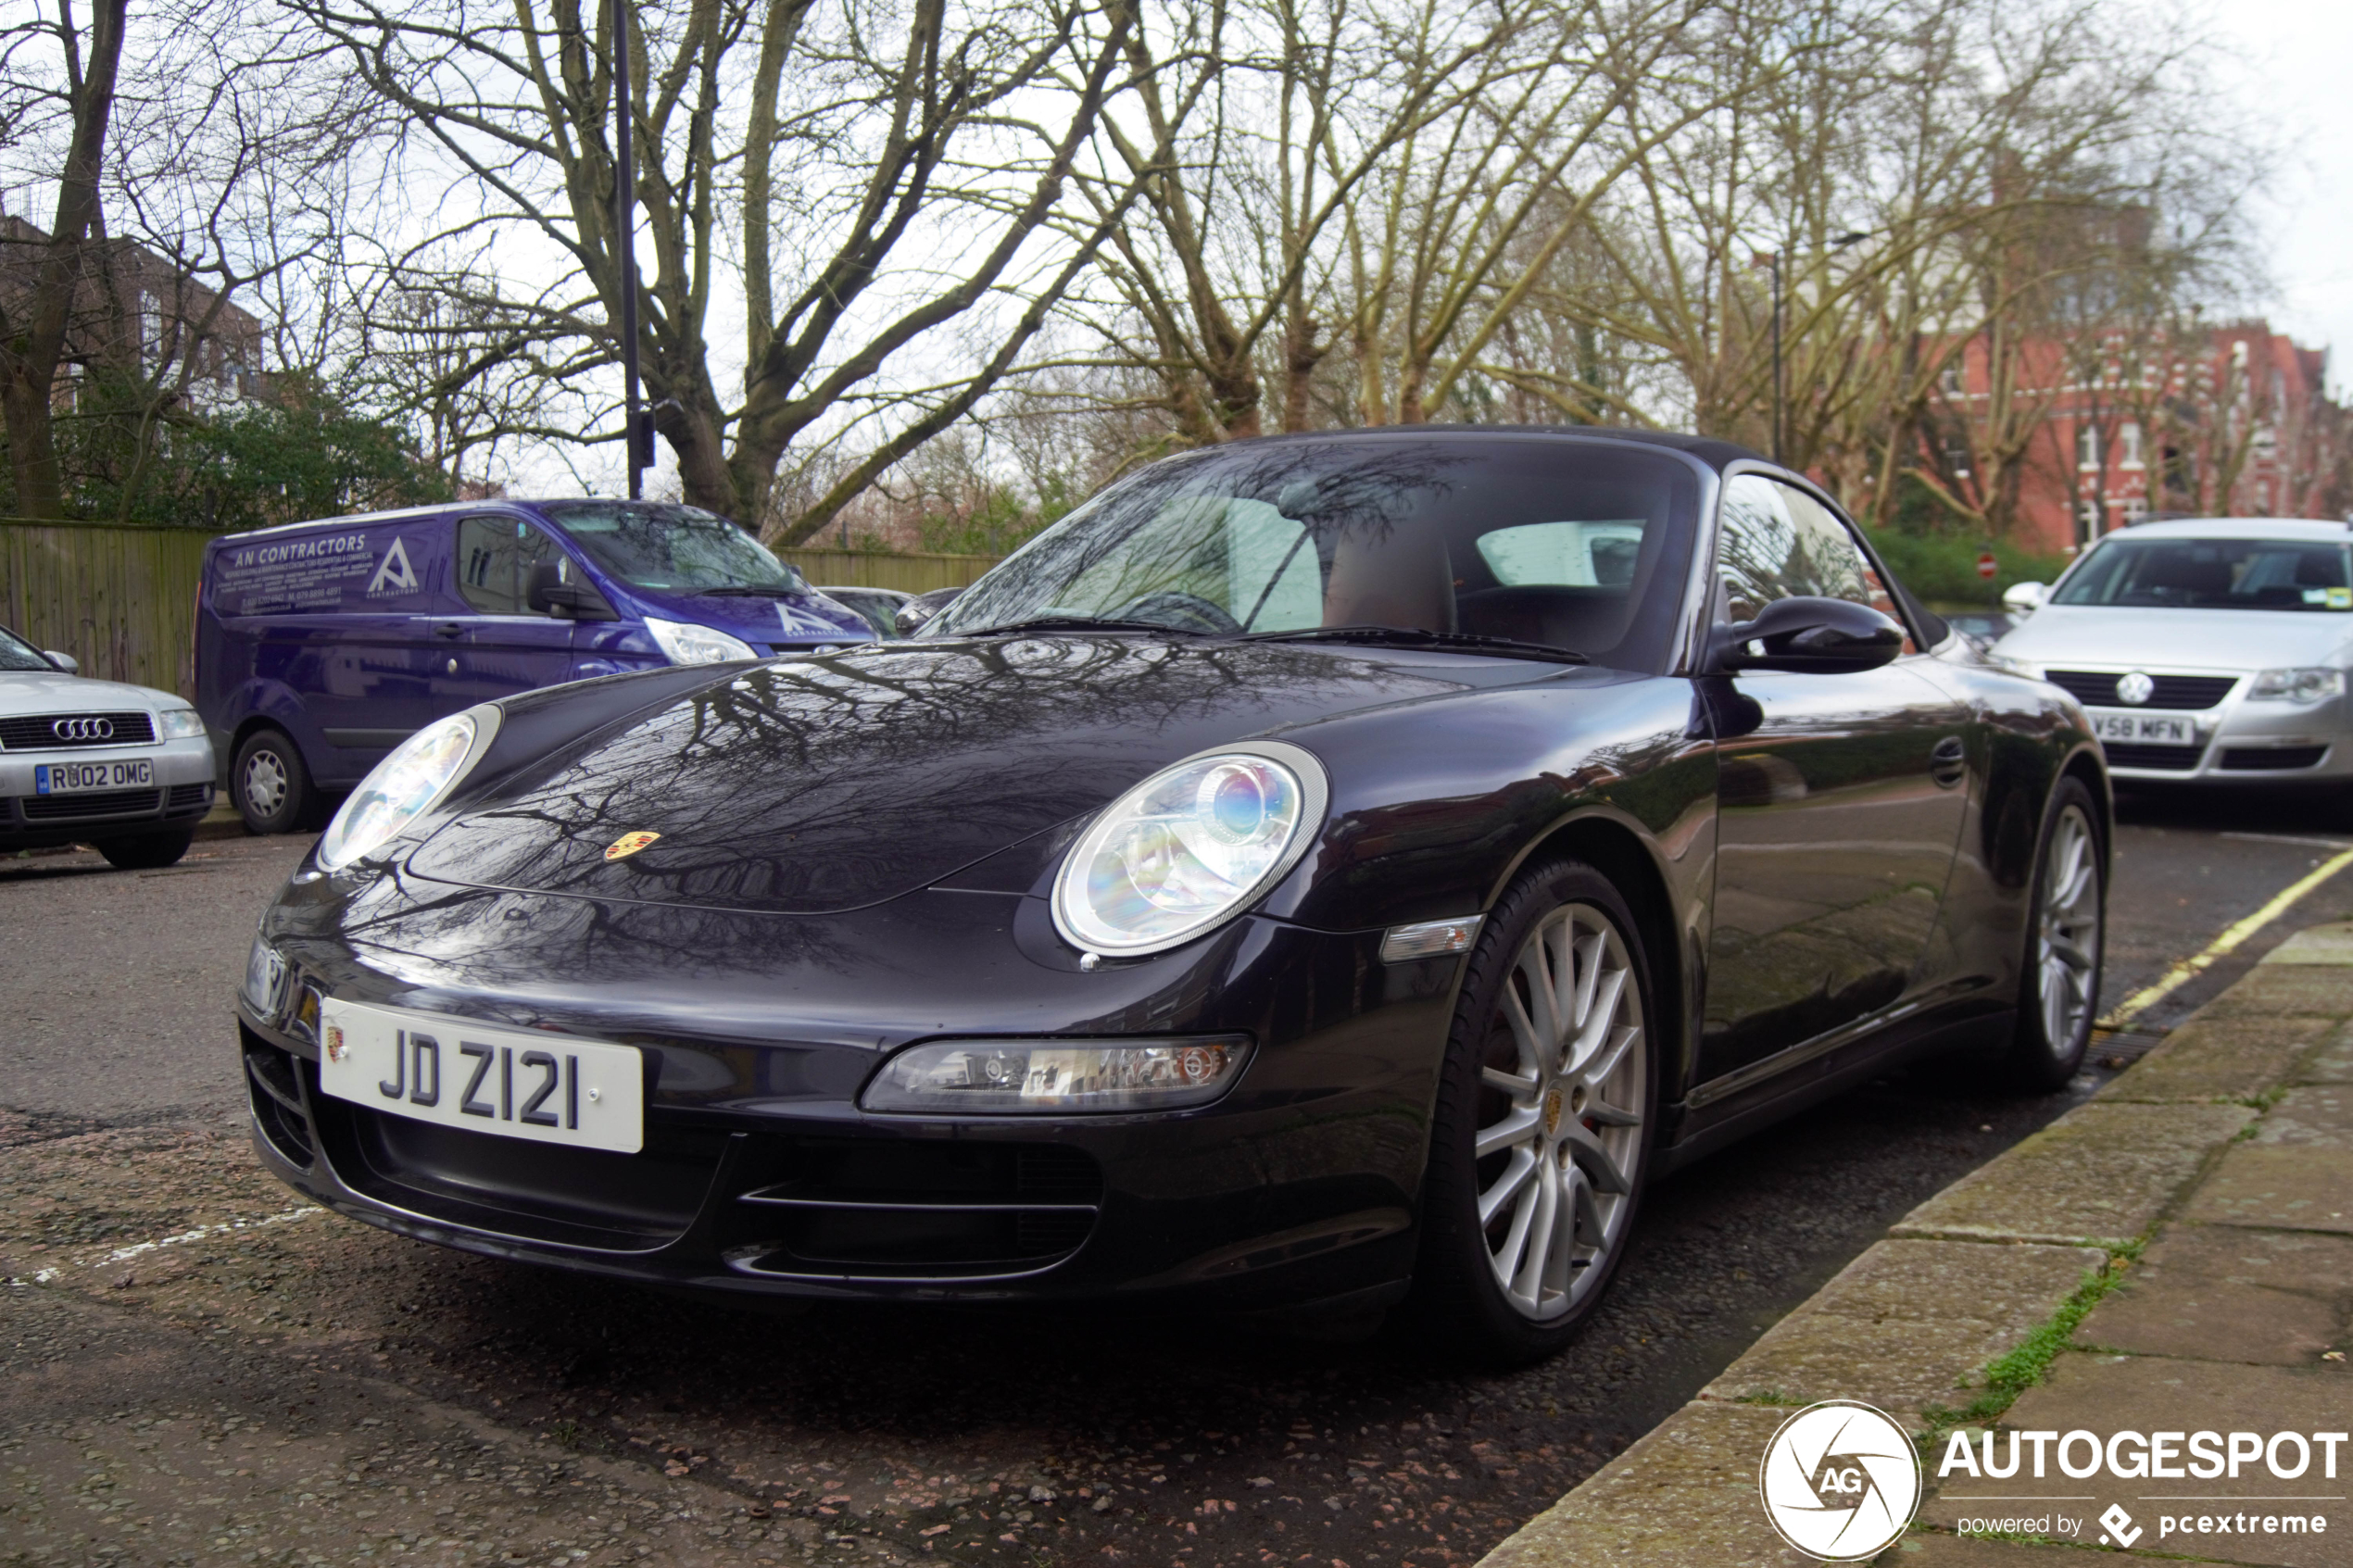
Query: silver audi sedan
[[124, 769], [2206, 651]]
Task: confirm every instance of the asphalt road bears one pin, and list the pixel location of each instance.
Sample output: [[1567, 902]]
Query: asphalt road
[[520, 1409]]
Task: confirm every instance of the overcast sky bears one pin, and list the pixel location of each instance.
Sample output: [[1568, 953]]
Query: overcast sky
[[2299, 56]]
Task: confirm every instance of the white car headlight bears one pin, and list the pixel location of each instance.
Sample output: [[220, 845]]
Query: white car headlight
[[1001, 1077], [1189, 848], [682, 643], [404, 785], [181, 723], [2297, 685]]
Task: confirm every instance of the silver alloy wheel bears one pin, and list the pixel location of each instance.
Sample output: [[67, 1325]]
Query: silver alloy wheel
[[265, 782], [1575, 1105], [2067, 947]]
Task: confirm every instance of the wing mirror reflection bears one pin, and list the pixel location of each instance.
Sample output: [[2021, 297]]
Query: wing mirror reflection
[[2024, 598], [1812, 636], [915, 612], [550, 592]]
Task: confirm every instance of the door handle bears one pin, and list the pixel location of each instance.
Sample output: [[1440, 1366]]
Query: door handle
[[449, 629], [1948, 764]]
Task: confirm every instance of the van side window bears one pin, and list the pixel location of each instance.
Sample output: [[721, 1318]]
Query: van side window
[[495, 558]]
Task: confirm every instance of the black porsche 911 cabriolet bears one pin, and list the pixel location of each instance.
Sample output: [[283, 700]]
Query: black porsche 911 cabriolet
[[1331, 871]]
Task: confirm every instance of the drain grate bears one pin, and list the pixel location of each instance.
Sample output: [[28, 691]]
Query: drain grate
[[2114, 1048]]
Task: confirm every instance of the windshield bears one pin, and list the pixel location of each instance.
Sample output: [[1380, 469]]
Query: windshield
[[685, 549], [15, 654], [2297, 574], [1564, 544]]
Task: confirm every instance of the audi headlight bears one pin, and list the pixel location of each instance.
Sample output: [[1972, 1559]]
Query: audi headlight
[[682, 643], [2297, 685], [181, 723], [1001, 1077], [405, 785], [1187, 849]]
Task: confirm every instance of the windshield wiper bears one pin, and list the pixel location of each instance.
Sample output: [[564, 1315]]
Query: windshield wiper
[[1079, 623], [752, 590], [1412, 636]]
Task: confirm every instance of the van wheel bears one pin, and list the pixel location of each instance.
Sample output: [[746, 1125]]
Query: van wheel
[[148, 851], [271, 786], [1546, 1106]]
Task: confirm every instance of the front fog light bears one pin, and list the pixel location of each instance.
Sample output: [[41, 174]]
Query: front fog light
[[265, 972], [1010, 1077], [2297, 685]]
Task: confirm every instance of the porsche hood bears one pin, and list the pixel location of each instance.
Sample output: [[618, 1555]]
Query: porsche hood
[[821, 786]]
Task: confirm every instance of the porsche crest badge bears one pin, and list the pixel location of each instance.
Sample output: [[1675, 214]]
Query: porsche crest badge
[[628, 844]]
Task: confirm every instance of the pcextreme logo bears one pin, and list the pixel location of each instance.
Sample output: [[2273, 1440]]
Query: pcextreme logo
[[1839, 1480]]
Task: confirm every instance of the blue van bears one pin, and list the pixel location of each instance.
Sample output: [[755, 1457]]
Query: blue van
[[321, 645]]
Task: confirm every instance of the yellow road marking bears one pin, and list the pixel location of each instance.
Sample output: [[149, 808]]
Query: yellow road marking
[[2223, 946]]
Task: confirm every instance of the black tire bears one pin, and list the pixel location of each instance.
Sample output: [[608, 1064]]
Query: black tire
[[1460, 1309], [148, 850], [271, 785], [2052, 1034]]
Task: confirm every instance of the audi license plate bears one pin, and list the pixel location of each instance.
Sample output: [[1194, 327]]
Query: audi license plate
[[72, 778], [517, 1082], [2143, 729]]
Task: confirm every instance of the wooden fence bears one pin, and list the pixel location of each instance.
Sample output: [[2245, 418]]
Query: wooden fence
[[119, 598], [910, 573], [122, 598]]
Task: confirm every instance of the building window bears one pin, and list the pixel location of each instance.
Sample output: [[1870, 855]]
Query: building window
[[2087, 519], [1949, 378], [2128, 442], [2133, 508], [2087, 447]]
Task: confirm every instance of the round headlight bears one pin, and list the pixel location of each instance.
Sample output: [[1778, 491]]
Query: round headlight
[[405, 785], [1189, 848]]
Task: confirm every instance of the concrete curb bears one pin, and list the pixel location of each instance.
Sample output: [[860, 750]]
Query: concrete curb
[[2204, 1131]]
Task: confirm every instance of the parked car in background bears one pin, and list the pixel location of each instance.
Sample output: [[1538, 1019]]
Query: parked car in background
[[917, 612], [1334, 870], [877, 607], [124, 769], [2209, 651], [321, 645]]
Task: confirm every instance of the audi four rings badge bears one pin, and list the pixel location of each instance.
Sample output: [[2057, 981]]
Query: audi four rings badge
[[82, 729]]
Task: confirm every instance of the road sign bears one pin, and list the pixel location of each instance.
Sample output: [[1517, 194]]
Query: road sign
[[1986, 566]]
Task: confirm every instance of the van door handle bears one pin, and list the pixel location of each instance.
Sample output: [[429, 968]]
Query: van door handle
[[449, 629], [1948, 764]]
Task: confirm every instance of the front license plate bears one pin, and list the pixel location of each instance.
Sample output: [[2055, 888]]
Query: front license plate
[[2144, 729], [517, 1082], [72, 778]]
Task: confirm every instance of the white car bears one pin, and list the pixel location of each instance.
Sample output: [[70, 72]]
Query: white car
[[124, 769], [2206, 651]]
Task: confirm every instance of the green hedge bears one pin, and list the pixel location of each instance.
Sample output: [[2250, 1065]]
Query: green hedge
[[1943, 566]]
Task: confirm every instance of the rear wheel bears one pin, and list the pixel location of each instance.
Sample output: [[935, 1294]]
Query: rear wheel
[[271, 785], [146, 851], [2059, 993], [1541, 1137]]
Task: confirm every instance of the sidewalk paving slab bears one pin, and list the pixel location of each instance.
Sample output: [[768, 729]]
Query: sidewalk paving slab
[[1685, 1493], [2284, 990], [1961, 1303], [2211, 1062], [2224, 1293], [2100, 1175]]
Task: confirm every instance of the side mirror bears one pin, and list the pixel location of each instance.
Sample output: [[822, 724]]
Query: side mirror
[[912, 615], [1813, 637], [64, 661], [2024, 598], [549, 594]]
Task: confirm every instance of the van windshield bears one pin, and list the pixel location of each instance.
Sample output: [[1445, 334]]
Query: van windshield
[[2295, 575], [684, 549]]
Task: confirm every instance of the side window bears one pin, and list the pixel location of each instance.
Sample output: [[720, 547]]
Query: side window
[[1779, 543], [495, 558]]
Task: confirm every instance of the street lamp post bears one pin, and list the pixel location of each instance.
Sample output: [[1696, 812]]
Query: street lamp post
[[1772, 260], [625, 215]]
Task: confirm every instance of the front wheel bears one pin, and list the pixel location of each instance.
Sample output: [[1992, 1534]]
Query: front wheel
[[271, 785], [2060, 992], [1545, 1110]]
